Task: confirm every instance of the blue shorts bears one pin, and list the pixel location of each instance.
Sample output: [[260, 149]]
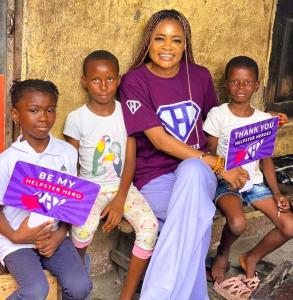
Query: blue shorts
[[258, 192]]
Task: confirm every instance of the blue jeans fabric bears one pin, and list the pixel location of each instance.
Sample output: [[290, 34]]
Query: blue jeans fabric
[[182, 202], [26, 266], [258, 192]]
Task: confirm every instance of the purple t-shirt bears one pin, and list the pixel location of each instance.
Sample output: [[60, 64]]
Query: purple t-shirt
[[150, 101]]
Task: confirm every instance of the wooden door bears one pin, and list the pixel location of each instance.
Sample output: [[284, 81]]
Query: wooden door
[[11, 12], [2, 72], [279, 93]]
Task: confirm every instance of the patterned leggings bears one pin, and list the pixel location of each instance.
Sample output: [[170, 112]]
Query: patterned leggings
[[137, 212]]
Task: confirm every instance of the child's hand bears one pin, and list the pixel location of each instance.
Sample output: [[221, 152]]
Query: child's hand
[[114, 210], [26, 235], [282, 202], [47, 247], [237, 177], [283, 119]]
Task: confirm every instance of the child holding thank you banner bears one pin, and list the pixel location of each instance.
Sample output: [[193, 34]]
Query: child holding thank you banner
[[241, 79]]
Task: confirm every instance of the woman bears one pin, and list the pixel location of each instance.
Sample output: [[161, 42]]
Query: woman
[[165, 98]]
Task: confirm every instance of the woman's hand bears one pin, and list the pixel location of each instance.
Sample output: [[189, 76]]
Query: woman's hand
[[26, 235], [237, 177], [114, 212]]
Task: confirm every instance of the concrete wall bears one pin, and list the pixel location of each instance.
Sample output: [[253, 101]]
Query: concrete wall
[[59, 34]]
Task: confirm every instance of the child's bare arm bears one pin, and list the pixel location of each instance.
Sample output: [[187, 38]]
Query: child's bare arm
[[72, 141], [75, 144], [115, 208], [129, 167], [5, 228], [212, 143], [47, 247], [270, 175], [24, 234]]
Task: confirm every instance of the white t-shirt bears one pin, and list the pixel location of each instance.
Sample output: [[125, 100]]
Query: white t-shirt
[[58, 156], [102, 143], [219, 123]]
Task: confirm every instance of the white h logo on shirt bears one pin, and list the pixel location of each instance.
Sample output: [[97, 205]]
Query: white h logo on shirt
[[133, 105]]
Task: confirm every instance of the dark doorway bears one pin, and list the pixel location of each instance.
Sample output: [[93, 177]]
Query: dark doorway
[[279, 94], [11, 12]]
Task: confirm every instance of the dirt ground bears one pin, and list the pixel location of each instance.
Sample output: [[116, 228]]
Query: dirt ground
[[107, 286]]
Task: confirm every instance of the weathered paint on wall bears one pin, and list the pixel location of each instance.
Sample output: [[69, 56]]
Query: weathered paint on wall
[[59, 34]]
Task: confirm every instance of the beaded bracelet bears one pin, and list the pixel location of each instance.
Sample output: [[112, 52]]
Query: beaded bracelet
[[221, 169], [219, 166], [218, 163]]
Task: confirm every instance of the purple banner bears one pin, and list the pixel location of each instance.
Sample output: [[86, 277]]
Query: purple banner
[[50, 193], [251, 142]]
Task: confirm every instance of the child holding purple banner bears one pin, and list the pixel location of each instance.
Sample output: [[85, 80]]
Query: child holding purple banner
[[26, 251], [107, 156], [241, 79]]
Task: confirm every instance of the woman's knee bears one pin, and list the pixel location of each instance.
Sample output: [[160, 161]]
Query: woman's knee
[[197, 174], [237, 225], [192, 166]]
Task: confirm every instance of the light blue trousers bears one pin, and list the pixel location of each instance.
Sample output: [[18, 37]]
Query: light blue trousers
[[182, 202]]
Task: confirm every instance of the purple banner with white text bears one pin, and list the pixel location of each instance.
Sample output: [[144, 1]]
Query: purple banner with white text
[[251, 142], [51, 193]]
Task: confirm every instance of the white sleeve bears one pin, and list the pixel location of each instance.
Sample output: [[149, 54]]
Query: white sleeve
[[72, 126], [212, 124], [73, 162], [4, 178], [71, 158]]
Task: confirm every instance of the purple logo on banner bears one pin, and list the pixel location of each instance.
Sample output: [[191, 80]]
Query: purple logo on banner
[[251, 142], [50, 193]]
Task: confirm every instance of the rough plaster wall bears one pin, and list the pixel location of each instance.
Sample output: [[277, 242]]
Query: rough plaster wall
[[59, 34]]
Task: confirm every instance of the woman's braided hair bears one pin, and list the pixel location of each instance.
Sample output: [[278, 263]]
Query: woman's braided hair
[[142, 56]]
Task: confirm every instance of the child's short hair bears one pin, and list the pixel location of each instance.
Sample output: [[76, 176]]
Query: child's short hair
[[100, 55], [19, 87], [241, 61]]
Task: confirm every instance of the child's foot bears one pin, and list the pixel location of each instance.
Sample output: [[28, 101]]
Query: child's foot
[[219, 266], [248, 264]]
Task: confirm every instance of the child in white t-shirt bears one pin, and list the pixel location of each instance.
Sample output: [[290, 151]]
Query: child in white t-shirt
[[26, 251], [107, 156], [241, 78]]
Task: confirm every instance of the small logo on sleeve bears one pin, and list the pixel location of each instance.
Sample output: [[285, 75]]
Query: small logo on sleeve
[[133, 105], [63, 169]]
